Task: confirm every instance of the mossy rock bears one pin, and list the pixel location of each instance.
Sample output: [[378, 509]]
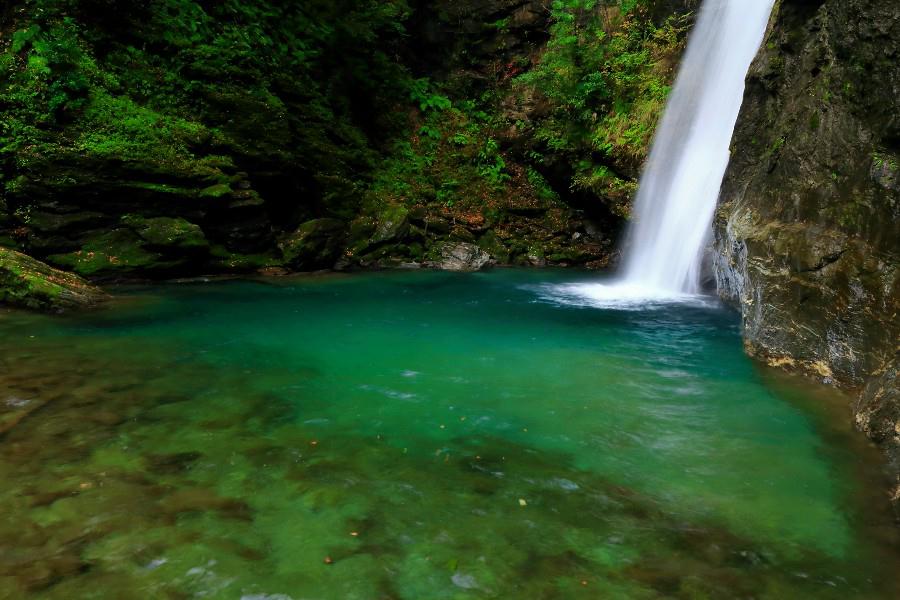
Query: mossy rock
[[227, 260], [461, 234], [437, 225], [393, 223], [361, 229], [118, 251], [46, 222], [315, 245], [166, 232], [29, 283], [218, 190], [490, 243]]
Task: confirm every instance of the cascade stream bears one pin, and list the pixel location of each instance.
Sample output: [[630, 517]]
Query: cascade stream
[[680, 185]]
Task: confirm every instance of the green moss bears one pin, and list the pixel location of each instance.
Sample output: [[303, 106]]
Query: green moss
[[51, 222], [167, 232], [118, 251], [117, 127], [393, 222], [814, 121], [315, 245], [235, 261], [28, 283], [216, 191], [180, 87], [490, 243]]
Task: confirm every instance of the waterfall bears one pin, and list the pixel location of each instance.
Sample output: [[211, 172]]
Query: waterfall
[[680, 186]]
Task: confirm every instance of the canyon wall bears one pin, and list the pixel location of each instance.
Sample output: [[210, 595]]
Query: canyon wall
[[808, 228]]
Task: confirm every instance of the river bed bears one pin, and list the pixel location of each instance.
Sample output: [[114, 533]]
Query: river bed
[[423, 435]]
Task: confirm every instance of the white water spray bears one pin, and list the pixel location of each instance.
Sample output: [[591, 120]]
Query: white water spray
[[680, 186]]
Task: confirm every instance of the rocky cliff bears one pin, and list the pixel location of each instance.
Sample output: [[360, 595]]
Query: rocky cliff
[[808, 231]]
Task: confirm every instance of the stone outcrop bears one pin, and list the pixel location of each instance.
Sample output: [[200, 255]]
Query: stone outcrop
[[808, 230], [463, 257], [315, 245], [29, 283]]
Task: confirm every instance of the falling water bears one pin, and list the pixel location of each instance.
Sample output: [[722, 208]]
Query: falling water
[[680, 186]]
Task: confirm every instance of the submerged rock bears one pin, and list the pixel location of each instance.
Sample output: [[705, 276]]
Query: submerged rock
[[29, 283], [463, 257]]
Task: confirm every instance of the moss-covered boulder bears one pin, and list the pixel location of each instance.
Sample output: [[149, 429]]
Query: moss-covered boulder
[[29, 283], [316, 244], [490, 243], [393, 224], [167, 232], [116, 252], [138, 244]]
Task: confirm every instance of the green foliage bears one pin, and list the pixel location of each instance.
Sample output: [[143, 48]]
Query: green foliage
[[451, 159], [881, 160], [541, 186], [173, 81], [500, 24], [606, 72], [491, 165], [199, 90], [421, 93], [446, 192]]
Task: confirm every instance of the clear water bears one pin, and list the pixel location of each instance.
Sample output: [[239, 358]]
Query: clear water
[[680, 186], [421, 435]]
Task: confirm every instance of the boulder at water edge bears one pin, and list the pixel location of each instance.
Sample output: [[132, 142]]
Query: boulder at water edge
[[29, 283], [463, 257]]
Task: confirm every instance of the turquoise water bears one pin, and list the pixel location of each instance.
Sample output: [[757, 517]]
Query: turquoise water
[[422, 435]]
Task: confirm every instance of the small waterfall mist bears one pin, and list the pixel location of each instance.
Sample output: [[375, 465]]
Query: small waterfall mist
[[680, 186]]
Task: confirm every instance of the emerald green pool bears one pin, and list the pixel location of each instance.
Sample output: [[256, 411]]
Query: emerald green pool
[[422, 435]]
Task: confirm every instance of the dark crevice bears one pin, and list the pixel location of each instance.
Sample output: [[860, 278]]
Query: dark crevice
[[826, 261]]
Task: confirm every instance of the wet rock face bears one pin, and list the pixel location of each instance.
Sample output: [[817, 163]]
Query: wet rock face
[[878, 412], [29, 283], [808, 230]]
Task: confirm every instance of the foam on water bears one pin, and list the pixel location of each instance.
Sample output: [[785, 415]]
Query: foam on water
[[616, 296]]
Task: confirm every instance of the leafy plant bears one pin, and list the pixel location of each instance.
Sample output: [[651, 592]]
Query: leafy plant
[[607, 75], [421, 93]]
